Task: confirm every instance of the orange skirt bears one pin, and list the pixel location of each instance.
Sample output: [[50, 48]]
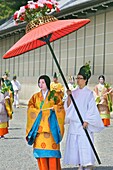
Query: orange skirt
[[106, 122], [49, 163], [3, 129]]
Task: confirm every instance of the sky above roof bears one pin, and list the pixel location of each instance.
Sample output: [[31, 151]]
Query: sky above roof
[[68, 3]]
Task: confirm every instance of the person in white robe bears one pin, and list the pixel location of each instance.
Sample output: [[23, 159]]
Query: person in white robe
[[16, 87], [78, 150]]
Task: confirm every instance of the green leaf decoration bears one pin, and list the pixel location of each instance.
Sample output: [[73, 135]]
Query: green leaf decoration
[[52, 96], [97, 100], [87, 69], [107, 85], [4, 89]]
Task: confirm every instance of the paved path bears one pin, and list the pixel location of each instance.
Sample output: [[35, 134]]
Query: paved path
[[15, 154]]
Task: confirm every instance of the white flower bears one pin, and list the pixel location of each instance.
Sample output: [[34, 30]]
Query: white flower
[[40, 5], [32, 6], [22, 9], [30, 2]]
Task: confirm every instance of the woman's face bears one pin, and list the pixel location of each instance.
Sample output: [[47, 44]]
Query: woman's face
[[42, 84], [101, 80]]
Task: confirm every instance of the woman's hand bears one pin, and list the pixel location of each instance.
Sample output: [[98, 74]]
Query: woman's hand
[[53, 109]]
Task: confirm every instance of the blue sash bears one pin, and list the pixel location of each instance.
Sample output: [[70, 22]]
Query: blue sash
[[54, 127], [33, 132]]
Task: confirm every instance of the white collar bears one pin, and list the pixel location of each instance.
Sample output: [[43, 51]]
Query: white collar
[[44, 94]]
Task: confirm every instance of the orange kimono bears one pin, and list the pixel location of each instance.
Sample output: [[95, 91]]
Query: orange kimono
[[45, 129]]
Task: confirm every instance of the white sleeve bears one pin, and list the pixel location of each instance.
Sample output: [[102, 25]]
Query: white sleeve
[[93, 116]]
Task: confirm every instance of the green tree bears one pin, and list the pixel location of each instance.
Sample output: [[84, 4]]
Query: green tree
[[8, 7]]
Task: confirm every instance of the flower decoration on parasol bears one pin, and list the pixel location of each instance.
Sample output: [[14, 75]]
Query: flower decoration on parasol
[[33, 10], [44, 29]]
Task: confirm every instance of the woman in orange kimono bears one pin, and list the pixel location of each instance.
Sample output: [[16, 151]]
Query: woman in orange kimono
[[45, 125], [102, 92]]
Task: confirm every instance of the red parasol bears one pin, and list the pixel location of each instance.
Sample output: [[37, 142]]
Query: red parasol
[[31, 40], [44, 34]]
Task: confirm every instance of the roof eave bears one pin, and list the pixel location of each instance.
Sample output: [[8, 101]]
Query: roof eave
[[12, 29], [79, 7]]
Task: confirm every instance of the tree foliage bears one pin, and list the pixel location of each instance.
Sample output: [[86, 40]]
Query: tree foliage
[[8, 7]]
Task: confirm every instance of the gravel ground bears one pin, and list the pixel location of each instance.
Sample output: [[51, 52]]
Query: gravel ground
[[15, 154]]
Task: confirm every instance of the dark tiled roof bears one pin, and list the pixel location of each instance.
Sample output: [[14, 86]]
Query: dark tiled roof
[[10, 26], [75, 6]]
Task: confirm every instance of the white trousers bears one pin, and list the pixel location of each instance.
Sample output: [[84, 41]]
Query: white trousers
[[16, 99], [78, 150]]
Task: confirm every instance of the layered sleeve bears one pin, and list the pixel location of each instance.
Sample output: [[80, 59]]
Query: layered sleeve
[[32, 113], [60, 113]]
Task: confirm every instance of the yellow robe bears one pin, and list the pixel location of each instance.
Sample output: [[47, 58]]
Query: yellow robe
[[9, 109], [44, 144]]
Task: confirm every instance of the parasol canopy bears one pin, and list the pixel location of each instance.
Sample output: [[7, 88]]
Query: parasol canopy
[[57, 29]]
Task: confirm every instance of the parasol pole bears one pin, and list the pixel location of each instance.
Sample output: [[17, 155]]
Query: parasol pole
[[46, 39]]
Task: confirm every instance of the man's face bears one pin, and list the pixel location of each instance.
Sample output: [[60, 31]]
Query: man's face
[[55, 80], [80, 80]]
